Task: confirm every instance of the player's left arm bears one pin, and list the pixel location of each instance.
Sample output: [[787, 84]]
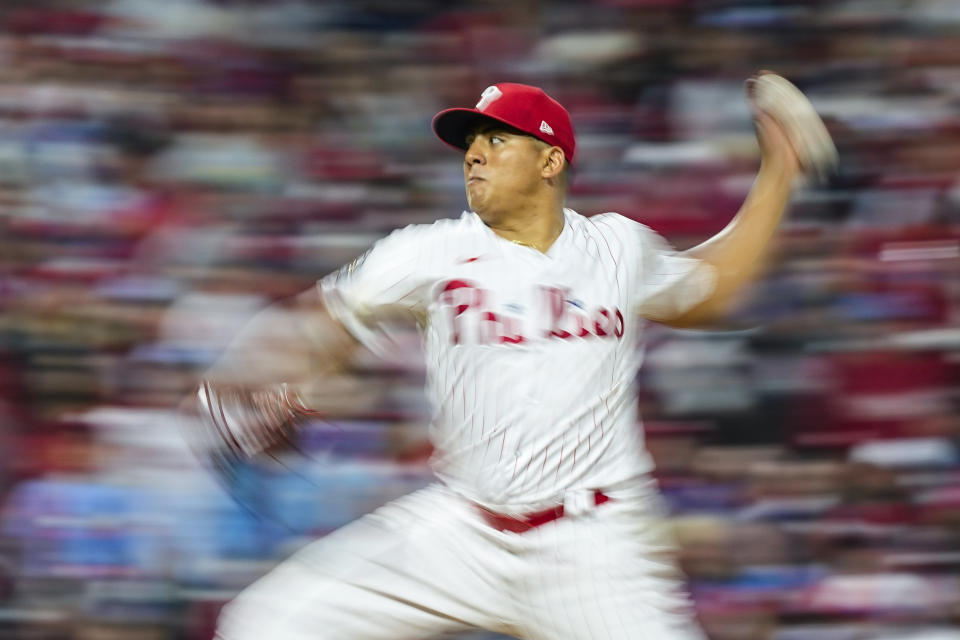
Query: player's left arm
[[792, 139]]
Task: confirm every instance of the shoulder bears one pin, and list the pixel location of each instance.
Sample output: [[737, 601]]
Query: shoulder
[[611, 220], [443, 230], [418, 248], [627, 240], [610, 228], [625, 230], [605, 223]]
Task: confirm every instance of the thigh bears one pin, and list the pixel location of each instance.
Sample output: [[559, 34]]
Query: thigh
[[607, 575], [412, 569]]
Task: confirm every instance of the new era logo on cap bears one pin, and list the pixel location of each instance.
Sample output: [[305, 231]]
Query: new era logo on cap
[[520, 106]]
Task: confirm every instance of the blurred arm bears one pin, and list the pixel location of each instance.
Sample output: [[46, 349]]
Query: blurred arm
[[737, 251], [256, 391], [292, 341]]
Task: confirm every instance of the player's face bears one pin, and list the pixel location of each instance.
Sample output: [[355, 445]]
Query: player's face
[[502, 169]]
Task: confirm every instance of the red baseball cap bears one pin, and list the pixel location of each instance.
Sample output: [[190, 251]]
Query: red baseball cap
[[521, 106]]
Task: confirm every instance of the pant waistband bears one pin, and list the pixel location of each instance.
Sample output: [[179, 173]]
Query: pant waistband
[[519, 524]]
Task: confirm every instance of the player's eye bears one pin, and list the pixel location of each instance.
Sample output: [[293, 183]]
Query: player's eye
[[495, 139]]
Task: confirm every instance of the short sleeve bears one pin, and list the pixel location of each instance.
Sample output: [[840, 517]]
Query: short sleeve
[[387, 283], [670, 283]]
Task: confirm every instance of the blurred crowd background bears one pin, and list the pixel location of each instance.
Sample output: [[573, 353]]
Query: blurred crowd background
[[167, 167]]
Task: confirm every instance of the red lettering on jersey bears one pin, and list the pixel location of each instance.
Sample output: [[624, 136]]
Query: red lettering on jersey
[[492, 328], [601, 330], [582, 331], [619, 327], [603, 323], [489, 327], [556, 299], [499, 329], [510, 333], [460, 295]]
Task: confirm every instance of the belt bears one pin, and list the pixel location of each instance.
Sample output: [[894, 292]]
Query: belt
[[519, 524]]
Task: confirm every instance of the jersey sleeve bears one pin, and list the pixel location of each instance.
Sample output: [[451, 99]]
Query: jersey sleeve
[[669, 282], [386, 284]]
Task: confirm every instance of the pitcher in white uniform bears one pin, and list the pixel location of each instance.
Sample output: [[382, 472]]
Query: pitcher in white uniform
[[543, 522]]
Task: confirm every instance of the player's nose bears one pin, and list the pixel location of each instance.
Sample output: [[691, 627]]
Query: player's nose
[[474, 154]]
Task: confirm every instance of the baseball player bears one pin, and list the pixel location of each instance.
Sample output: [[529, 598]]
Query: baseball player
[[543, 522]]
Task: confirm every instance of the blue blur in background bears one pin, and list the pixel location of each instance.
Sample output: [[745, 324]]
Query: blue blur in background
[[167, 168]]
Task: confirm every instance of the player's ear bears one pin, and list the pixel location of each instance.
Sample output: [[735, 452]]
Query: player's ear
[[553, 162]]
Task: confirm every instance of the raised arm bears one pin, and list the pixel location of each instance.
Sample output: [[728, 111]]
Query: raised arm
[[736, 252], [792, 138]]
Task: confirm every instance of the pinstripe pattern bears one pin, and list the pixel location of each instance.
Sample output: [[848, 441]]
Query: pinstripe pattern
[[594, 578], [507, 414], [527, 354]]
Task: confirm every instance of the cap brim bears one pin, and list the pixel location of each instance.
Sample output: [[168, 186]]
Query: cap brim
[[453, 125]]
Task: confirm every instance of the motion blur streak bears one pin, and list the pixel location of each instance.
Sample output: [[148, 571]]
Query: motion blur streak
[[166, 168]]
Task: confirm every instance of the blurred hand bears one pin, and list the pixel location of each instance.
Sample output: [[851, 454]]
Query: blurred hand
[[790, 132], [776, 150]]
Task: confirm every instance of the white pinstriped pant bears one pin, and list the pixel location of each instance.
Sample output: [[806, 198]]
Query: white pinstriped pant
[[427, 564]]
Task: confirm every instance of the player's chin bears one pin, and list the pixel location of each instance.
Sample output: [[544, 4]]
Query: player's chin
[[482, 209], [476, 203]]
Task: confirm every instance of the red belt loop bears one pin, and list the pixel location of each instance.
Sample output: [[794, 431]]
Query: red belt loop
[[519, 524]]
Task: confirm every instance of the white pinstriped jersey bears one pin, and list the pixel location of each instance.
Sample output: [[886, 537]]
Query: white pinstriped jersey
[[531, 357]]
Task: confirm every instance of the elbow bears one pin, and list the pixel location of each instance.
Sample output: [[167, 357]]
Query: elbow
[[709, 313], [703, 316]]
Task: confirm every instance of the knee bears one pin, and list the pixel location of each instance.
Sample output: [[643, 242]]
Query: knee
[[236, 622], [288, 611]]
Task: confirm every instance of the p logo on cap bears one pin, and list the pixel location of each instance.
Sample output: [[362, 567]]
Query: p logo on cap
[[489, 94]]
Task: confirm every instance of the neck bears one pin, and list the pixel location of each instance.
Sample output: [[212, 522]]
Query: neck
[[537, 230]]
